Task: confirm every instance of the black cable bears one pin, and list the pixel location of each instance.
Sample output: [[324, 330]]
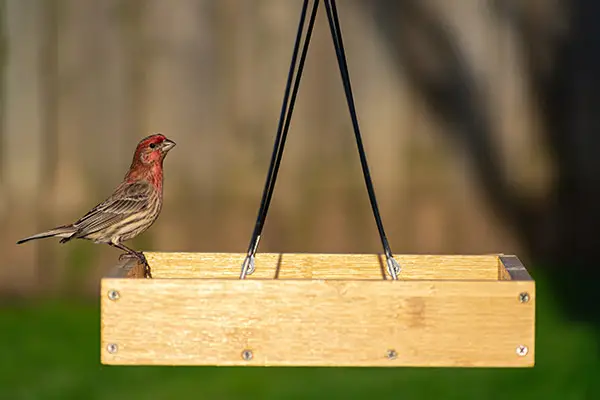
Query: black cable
[[282, 131], [288, 118], [336, 34], [284, 123]]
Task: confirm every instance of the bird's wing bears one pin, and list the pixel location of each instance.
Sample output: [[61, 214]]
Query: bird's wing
[[127, 200]]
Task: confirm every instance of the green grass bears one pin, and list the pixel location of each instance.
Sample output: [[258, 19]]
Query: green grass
[[50, 350]]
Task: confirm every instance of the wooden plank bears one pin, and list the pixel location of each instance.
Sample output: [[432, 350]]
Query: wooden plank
[[503, 274], [316, 322], [319, 266]]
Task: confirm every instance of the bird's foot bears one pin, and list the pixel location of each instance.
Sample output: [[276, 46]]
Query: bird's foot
[[141, 259], [147, 270], [125, 256]]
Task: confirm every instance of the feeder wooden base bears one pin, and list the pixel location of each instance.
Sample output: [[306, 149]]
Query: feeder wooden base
[[320, 310]]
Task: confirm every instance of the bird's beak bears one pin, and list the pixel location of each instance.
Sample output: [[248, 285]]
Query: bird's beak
[[167, 145]]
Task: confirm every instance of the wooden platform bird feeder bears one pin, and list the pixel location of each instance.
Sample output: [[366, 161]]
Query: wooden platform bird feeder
[[319, 309]]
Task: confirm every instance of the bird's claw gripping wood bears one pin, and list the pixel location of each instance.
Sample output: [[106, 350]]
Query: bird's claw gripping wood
[[147, 270], [125, 256], [141, 258]]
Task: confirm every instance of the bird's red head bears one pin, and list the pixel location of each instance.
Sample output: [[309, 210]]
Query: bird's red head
[[153, 149], [149, 156]]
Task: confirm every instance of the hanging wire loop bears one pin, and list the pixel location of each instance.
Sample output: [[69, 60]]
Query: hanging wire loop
[[285, 118], [287, 108]]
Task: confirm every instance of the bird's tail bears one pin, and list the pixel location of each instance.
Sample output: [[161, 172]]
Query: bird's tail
[[62, 231]]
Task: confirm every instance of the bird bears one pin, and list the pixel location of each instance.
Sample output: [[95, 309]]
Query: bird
[[133, 207]]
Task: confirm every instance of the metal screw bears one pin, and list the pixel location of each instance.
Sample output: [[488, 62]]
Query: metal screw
[[391, 354], [522, 350], [112, 348], [524, 297], [247, 355], [113, 294]]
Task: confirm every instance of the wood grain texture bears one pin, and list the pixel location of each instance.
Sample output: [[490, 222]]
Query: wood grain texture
[[503, 274], [320, 266], [316, 322]]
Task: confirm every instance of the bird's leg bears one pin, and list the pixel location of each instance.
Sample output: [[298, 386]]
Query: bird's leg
[[137, 254]]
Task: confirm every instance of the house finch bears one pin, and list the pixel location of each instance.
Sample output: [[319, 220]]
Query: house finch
[[130, 210]]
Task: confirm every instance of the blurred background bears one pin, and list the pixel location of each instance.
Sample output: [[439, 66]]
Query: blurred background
[[480, 122]]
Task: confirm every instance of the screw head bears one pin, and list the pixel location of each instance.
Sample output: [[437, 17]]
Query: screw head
[[524, 297], [113, 294], [247, 355], [391, 354], [112, 348], [522, 350]]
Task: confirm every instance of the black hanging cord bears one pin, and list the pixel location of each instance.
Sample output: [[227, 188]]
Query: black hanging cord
[[282, 131], [336, 35], [284, 123]]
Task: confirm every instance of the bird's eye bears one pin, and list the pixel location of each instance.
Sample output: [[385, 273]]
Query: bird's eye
[[152, 145]]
